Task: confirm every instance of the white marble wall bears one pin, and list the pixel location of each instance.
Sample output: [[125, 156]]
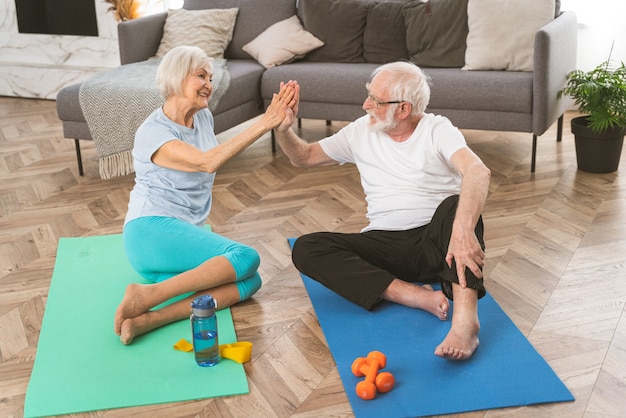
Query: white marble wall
[[38, 66]]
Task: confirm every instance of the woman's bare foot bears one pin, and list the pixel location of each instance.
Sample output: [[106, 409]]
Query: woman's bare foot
[[127, 331], [134, 327], [461, 341], [134, 303]]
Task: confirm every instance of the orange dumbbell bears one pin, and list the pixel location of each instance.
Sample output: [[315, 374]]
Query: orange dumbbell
[[374, 381]]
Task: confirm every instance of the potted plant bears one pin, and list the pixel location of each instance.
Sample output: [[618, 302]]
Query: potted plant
[[599, 135]]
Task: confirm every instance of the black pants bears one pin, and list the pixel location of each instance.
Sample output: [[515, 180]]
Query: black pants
[[361, 266]]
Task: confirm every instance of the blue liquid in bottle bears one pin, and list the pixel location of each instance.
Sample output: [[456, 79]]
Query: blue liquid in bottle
[[204, 330], [206, 348]]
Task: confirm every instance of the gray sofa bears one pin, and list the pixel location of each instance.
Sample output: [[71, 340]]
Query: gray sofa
[[333, 77]]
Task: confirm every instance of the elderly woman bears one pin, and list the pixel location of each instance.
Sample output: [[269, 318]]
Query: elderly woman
[[176, 156]]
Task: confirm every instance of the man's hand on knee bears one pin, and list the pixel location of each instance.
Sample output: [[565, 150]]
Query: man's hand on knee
[[465, 251]]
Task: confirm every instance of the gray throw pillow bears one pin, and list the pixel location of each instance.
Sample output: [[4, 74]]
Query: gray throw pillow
[[252, 19], [211, 30], [337, 23], [384, 39], [436, 32]]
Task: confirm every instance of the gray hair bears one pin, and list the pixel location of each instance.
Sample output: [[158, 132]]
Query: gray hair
[[407, 82], [176, 66]]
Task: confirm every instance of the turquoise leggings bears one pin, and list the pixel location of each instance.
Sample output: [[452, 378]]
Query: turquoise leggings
[[161, 247]]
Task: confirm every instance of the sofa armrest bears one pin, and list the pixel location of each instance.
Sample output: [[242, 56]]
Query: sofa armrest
[[139, 39], [555, 56]]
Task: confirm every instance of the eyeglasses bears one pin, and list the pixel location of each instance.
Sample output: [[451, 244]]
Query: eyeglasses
[[377, 102]]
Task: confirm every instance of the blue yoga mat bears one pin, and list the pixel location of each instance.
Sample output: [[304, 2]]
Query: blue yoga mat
[[504, 371]]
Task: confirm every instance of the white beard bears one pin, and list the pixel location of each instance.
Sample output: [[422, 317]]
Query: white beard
[[382, 125]]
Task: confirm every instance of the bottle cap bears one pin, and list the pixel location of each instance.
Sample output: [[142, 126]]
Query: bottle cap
[[203, 306]]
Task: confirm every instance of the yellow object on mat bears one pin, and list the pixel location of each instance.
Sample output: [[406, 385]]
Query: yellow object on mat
[[241, 352], [183, 345]]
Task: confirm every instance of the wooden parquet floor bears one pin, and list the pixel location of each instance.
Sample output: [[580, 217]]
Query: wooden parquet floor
[[556, 262]]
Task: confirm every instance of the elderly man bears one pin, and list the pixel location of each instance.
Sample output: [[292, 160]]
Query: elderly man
[[425, 190]]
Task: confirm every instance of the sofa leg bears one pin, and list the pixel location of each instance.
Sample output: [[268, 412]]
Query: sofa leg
[[273, 142], [534, 154], [328, 123], [79, 158], [559, 129], [299, 123]]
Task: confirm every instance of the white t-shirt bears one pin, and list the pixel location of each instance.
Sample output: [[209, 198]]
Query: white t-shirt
[[161, 191], [404, 182]]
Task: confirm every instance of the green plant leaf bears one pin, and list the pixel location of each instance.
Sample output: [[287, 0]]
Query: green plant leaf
[[600, 94]]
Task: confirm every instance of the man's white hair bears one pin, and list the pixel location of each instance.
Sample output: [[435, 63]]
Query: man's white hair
[[407, 82]]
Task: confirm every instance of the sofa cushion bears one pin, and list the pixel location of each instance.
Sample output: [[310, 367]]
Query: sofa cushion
[[328, 90], [282, 42], [501, 91], [384, 39], [436, 32], [339, 24], [245, 79], [502, 33], [328, 82], [211, 30], [252, 19]]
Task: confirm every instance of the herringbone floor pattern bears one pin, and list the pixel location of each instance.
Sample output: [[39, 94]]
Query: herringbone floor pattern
[[556, 262]]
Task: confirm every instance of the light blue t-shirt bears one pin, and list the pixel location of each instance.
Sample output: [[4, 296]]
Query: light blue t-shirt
[[161, 191]]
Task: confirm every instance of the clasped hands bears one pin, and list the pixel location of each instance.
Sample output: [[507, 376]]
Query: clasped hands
[[283, 109]]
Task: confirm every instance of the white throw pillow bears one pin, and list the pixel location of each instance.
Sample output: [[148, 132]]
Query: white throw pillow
[[282, 42], [502, 33], [211, 30]]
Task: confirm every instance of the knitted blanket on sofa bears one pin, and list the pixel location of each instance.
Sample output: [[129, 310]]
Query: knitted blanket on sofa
[[117, 101]]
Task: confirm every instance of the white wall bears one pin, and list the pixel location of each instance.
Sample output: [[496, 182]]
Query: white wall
[[38, 66], [601, 23]]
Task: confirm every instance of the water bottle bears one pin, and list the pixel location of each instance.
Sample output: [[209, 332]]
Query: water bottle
[[204, 330]]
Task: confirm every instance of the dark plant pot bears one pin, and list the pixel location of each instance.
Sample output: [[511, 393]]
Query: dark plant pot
[[597, 153]]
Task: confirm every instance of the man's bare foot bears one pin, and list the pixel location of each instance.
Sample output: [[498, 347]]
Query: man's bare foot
[[437, 303], [418, 297], [134, 303], [461, 341]]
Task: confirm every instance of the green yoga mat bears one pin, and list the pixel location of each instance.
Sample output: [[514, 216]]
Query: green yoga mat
[[81, 365]]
